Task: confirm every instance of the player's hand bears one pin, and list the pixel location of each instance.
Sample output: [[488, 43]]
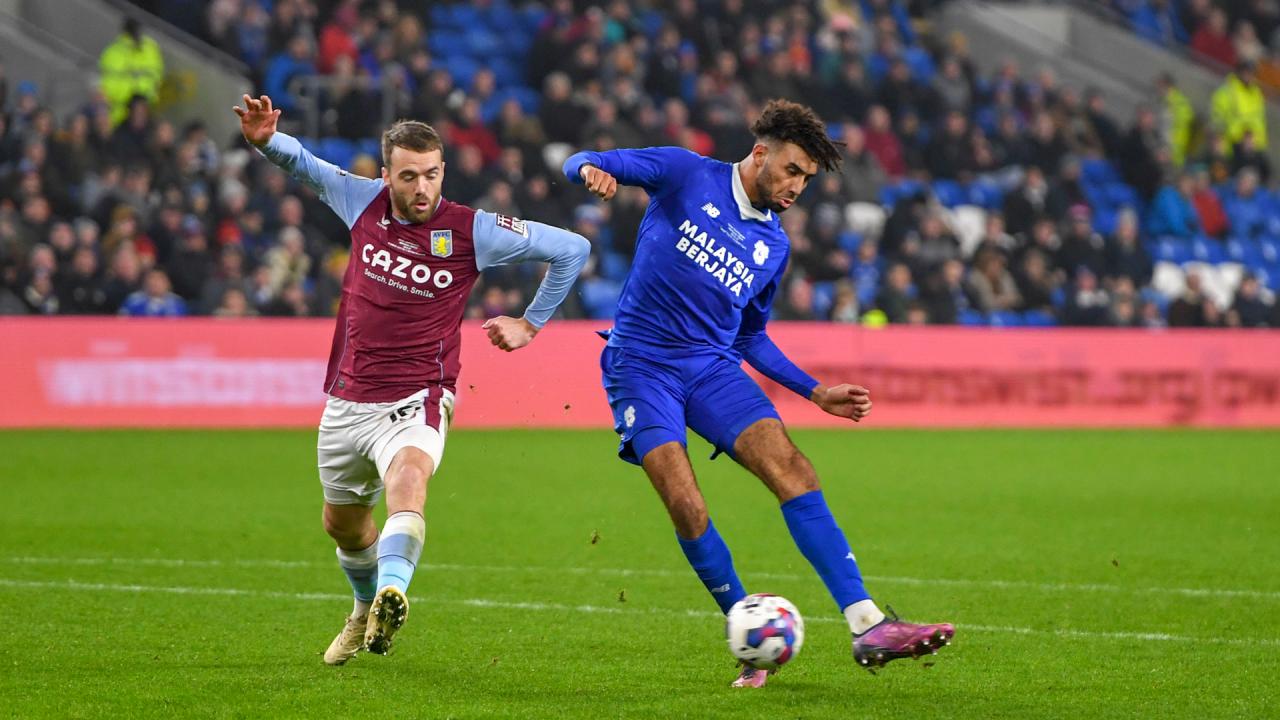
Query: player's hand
[[599, 182], [510, 333], [846, 401], [257, 119]]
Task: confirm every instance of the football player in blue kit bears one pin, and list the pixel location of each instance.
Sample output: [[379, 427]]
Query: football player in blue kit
[[710, 254]]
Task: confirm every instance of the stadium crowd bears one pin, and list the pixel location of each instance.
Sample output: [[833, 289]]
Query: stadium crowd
[[1006, 199]]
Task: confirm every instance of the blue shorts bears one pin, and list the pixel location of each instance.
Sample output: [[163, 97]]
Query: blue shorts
[[655, 399]]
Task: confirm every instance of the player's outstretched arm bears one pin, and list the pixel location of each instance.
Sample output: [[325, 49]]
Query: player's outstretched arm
[[761, 353], [348, 195], [656, 169], [502, 240]]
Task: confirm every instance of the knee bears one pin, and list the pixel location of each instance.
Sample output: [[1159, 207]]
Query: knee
[[795, 476], [689, 514], [408, 475], [346, 534]]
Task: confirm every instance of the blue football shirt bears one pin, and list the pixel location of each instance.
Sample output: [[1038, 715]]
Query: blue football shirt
[[707, 263]]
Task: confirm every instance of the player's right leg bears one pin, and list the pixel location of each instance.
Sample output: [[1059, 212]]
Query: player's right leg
[[672, 477], [351, 488], [647, 401]]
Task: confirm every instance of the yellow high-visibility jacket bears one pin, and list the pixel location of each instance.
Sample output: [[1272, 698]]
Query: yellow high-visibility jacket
[[1239, 108], [129, 69]]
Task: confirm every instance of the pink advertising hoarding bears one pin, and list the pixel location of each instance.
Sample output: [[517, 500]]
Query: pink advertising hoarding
[[110, 372]]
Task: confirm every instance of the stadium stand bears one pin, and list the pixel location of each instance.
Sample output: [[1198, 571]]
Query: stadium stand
[[981, 199]]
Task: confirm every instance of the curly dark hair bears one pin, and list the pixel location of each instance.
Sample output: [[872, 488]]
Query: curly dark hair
[[795, 123]]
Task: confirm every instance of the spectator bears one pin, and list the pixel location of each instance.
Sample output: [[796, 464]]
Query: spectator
[[130, 66], [863, 175], [1249, 309], [1172, 212], [844, 309], [897, 292], [1178, 119], [1126, 258], [80, 289], [1239, 107], [883, 144], [1212, 40], [944, 295], [1207, 205], [1142, 153], [992, 287], [1035, 283], [1104, 128], [233, 304], [1029, 203], [154, 299], [1246, 207], [294, 62], [1191, 308], [1082, 247], [1087, 304]]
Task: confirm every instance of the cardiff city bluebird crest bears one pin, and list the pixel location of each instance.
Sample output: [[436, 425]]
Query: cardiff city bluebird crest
[[442, 243]]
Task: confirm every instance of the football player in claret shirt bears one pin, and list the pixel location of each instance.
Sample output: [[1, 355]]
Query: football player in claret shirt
[[710, 254], [395, 357]]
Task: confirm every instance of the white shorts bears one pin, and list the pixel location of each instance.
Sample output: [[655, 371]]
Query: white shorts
[[358, 441]]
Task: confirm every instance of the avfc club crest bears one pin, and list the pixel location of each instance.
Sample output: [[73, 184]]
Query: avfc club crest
[[442, 243]]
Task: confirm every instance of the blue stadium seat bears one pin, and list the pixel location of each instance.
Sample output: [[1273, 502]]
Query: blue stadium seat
[[1170, 249], [1039, 318], [824, 296], [849, 242], [1269, 276], [445, 44], [1269, 250], [482, 43], [1206, 249], [462, 69], [987, 195], [1094, 171], [614, 266], [370, 146], [506, 73], [1005, 318], [1105, 220], [949, 193], [971, 318], [600, 298], [1121, 195], [338, 151]]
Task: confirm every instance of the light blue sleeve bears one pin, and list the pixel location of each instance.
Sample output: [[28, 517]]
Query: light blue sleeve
[[347, 194], [655, 169], [502, 240]]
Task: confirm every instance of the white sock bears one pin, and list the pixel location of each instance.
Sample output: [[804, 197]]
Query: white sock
[[862, 616]]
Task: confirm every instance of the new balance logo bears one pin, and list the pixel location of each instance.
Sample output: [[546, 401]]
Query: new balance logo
[[711, 210], [722, 588]]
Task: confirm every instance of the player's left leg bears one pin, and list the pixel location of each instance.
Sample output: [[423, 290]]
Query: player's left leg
[[765, 450], [407, 454]]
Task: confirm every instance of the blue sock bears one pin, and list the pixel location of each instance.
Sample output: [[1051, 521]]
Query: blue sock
[[361, 568], [710, 558], [823, 544], [399, 549]]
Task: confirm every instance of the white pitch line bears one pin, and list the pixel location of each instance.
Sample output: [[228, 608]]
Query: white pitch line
[[596, 609], [642, 572]]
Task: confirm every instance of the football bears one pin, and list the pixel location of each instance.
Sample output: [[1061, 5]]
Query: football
[[764, 631]]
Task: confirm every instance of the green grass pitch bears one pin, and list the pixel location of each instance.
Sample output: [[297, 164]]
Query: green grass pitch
[[1090, 575]]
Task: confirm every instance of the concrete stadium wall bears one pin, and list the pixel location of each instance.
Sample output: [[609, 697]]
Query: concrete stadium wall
[[117, 372], [200, 82]]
